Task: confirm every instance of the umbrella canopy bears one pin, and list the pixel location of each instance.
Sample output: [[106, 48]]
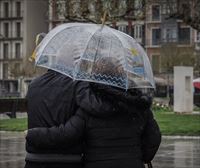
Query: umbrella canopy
[[196, 83], [96, 53]]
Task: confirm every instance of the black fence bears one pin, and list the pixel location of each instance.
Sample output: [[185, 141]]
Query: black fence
[[11, 106]]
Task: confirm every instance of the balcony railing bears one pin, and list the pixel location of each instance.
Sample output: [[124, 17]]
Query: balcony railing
[[169, 40], [11, 39], [184, 41], [10, 59], [11, 18], [156, 43], [15, 16], [153, 43]]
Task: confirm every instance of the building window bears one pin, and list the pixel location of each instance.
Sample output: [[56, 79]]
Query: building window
[[6, 29], [15, 86], [184, 35], [198, 37], [133, 31], [137, 5], [156, 63], [169, 7], [18, 9], [18, 29], [5, 70], [17, 50], [138, 31], [156, 36], [169, 35], [123, 28], [61, 8], [5, 51], [155, 12], [6, 9]]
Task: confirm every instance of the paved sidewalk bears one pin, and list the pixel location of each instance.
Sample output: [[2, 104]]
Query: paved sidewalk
[[12, 149], [175, 152]]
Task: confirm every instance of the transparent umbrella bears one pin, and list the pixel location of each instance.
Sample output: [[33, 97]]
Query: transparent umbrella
[[95, 53]]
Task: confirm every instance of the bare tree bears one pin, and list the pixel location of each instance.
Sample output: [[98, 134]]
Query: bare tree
[[186, 10], [92, 10], [174, 55]]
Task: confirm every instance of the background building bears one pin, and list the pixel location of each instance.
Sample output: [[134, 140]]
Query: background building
[[167, 37], [168, 41], [20, 21]]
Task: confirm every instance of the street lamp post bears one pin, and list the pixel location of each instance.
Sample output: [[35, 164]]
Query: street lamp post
[[2, 85], [197, 50]]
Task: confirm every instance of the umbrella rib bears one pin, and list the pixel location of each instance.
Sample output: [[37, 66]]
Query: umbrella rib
[[53, 33], [81, 57], [110, 47], [97, 47], [88, 43], [124, 58], [58, 32], [144, 62]]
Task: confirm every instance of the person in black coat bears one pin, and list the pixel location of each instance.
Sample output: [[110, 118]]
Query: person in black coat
[[51, 100], [126, 138]]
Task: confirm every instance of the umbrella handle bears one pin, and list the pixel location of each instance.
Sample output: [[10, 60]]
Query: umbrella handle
[[103, 19], [37, 42], [149, 165]]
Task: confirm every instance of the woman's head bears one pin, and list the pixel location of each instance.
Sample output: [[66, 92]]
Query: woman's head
[[109, 66]]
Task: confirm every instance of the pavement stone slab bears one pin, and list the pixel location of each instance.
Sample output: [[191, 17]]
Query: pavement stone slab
[[173, 152]]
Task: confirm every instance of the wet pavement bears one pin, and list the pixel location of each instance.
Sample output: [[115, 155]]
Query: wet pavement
[[12, 150], [173, 153], [178, 153]]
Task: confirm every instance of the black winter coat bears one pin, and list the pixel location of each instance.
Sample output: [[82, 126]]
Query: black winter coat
[[52, 99], [127, 138]]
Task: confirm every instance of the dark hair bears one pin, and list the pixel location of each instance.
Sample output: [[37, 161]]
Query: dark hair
[[105, 65]]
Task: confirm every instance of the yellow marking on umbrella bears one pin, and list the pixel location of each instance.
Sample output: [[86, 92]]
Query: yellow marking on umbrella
[[33, 56], [134, 51]]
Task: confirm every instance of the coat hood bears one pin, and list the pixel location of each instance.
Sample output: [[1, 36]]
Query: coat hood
[[118, 100]]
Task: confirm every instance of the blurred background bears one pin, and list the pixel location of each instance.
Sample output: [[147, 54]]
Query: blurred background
[[169, 30]]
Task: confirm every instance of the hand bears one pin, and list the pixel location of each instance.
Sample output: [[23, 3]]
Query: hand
[[25, 133]]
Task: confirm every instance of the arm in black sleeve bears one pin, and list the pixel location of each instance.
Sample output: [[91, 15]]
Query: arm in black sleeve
[[151, 138], [90, 101], [69, 133]]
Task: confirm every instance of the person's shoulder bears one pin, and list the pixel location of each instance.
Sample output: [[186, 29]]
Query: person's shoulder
[[51, 78], [34, 81]]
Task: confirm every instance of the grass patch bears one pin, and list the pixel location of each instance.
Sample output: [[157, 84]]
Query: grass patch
[[18, 124], [170, 123], [178, 124]]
